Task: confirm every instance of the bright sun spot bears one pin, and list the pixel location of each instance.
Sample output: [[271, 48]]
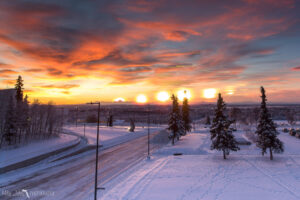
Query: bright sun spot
[[141, 98], [230, 92], [119, 99], [163, 96], [184, 94], [209, 93]]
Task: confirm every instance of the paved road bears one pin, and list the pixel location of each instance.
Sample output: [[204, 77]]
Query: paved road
[[74, 179]]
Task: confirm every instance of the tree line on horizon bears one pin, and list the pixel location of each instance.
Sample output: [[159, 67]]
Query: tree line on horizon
[[23, 122]]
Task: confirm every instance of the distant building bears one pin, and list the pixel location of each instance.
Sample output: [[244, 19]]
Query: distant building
[[5, 96]]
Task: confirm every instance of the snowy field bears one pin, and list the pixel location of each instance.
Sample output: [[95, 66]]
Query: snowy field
[[110, 136], [15, 155], [203, 174]]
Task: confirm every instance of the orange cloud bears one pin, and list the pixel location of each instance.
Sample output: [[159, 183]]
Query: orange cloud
[[175, 43]]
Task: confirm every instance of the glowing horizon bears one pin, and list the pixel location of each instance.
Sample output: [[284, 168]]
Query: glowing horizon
[[163, 96], [141, 98], [209, 93]]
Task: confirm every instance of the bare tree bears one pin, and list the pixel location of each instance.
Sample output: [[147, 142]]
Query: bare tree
[[234, 114]]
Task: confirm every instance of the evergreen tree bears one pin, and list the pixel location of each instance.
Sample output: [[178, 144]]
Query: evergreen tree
[[221, 135], [19, 106], [175, 120], [186, 116], [266, 130], [207, 120], [19, 89], [10, 123]]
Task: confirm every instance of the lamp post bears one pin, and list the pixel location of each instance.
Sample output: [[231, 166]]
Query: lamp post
[[84, 129], [148, 122], [97, 147], [76, 115]]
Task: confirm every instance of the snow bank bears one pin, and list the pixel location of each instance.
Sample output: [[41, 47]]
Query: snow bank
[[208, 177], [31, 150], [203, 174], [110, 136], [190, 144]]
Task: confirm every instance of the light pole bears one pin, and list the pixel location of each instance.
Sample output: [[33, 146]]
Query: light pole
[[148, 122], [76, 115], [84, 129], [97, 147]]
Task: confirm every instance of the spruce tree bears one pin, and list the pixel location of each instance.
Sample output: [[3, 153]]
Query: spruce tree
[[19, 89], [221, 135], [175, 120], [19, 106], [266, 130], [207, 120], [186, 116]]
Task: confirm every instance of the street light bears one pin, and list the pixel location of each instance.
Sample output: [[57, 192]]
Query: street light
[[148, 122], [97, 147]]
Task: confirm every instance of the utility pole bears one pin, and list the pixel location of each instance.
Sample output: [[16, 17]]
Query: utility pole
[[84, 129], [76, 115], [97, 152], [148, 122]]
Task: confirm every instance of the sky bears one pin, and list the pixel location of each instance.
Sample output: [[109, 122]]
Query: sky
[[75, 51]]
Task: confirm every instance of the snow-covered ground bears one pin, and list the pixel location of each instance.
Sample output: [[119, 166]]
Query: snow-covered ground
[[15, 155], [201, 173], [110, 136]]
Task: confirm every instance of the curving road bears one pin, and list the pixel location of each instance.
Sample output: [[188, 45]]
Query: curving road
[[74, 178]]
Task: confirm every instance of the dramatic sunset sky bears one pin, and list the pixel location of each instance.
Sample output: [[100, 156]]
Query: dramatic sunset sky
[[72, 51]]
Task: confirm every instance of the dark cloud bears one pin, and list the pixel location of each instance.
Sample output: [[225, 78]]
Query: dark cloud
[[4, 65], [54, 72], [52, 29], [117, 58], [296, 68], [248, 50], [136, 69], [7, 72], [66, 86], [114, 57], [8, 82], [34, 70]]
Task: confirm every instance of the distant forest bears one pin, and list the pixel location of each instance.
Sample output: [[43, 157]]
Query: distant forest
[[22, 122]]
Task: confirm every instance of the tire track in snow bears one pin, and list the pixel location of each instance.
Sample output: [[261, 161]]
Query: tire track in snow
[[196, 186], [142, 183], [273, 179]]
